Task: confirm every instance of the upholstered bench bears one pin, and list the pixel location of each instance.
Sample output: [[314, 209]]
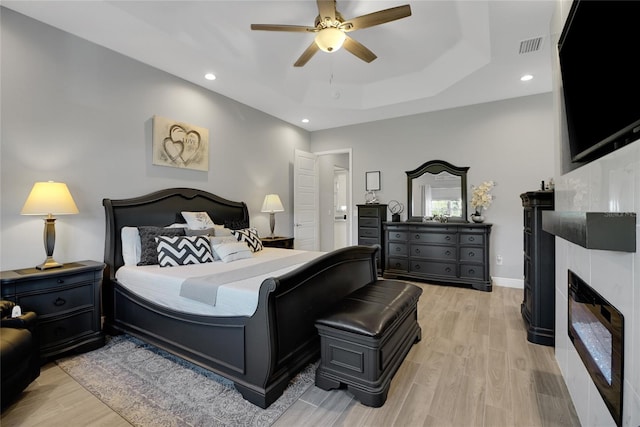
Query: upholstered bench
[[366, 337]]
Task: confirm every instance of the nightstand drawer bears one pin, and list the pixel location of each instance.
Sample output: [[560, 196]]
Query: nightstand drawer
[[61, 280], [369, 222], [63, 329], [58, 301], [369, 232]]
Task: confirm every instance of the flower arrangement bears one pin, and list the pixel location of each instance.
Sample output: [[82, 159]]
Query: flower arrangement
[[480, 196]]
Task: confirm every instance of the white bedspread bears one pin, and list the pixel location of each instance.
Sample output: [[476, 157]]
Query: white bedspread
[[162, 284]]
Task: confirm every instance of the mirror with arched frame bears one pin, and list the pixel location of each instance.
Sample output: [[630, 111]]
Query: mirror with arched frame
[[437, 188]]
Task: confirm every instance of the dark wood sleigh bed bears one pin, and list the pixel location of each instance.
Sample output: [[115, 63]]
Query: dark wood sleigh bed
[[260, 353]]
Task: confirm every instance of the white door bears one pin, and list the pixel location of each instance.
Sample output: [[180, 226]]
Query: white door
[[305, 201]]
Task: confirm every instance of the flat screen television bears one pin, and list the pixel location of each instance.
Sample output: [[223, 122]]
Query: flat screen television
[[598, 50]]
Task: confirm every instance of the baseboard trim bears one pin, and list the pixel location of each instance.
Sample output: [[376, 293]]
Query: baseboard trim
[[507, 282]]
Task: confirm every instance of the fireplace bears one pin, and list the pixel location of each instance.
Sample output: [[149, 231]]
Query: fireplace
[[596, 329]]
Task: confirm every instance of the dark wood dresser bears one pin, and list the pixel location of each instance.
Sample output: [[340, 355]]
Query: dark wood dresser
[[371, 217], [539, 305], [66, 300], [441, 252]]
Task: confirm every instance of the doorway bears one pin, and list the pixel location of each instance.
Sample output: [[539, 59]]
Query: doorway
[[335, 199]]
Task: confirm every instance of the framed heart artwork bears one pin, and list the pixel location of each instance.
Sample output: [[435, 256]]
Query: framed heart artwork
[[180, 145]]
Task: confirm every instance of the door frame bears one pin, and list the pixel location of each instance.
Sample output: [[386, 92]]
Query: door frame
[[349, 152]]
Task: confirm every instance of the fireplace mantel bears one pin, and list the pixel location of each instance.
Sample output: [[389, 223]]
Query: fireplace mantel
[[610, 231]]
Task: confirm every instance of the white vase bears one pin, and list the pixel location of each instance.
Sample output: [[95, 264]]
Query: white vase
[[477, 216]]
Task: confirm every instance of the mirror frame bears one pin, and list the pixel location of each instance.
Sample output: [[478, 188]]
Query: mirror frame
[[435, 167]]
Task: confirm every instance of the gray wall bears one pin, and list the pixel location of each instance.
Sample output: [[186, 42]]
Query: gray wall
[[78, 113], [510, 142]]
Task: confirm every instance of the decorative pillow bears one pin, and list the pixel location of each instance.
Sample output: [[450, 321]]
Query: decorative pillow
[[232, 251], [130, 245], [197, 220], [236, 224], [250, 237], [203, 232], [183, 250], [149, 247], [221, 230], [217, 240]]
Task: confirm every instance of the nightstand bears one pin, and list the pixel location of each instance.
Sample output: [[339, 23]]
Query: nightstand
[[66, 300], [277, 242]]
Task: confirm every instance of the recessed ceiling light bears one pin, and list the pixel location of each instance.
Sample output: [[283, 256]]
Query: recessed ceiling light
[[526, 77], [305, 120], [210, 76]]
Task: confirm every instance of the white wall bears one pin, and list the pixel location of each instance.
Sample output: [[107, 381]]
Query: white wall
[[75, 112], [510, 142], [609, 184]]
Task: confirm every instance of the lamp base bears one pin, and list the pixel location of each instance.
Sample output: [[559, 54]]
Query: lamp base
[[48, 263]]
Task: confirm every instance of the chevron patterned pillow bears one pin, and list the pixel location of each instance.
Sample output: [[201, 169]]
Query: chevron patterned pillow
[[183, 250], [250, 237]]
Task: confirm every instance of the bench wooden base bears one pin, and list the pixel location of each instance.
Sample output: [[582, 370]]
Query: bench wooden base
[[364, 341]]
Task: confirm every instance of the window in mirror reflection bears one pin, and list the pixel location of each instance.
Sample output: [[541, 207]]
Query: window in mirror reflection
[[437, 195]]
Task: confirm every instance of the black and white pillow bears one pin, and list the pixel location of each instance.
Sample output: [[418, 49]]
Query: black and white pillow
[[183, 250], [148, 244], [250, 237]]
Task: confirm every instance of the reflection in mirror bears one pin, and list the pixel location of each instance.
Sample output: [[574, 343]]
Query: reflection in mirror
[[437, 188], [437, 194]]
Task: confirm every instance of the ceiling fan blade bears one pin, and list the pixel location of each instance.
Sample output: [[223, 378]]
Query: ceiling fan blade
[[358, 49], [376, 18], [291, 28], [306, 55], [327, 9]]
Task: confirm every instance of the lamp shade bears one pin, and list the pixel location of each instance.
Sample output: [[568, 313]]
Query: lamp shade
[[272, 203], [49, 198], [330, 39]]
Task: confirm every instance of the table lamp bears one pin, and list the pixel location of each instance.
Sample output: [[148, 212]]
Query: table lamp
[[49, 198], [272, 204]]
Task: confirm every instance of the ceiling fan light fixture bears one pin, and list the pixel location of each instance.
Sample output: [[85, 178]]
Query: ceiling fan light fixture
[[330, 39]]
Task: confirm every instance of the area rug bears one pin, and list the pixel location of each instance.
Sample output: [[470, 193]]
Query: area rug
[[150, 387]]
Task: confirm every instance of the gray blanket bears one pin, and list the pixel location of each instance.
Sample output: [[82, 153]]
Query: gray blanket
[[205, 288]]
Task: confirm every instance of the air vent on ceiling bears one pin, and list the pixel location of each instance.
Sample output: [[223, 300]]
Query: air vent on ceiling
[[530, 45]]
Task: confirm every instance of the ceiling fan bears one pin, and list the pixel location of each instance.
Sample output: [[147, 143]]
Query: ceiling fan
[[331, 28]]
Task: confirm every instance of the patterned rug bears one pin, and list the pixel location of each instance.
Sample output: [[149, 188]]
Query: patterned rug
[[150, 387]]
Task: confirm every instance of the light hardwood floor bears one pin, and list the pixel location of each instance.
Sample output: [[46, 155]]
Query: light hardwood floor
[[473, 367]]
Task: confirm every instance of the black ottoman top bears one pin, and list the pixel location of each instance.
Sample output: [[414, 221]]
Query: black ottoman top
[[372, 309]]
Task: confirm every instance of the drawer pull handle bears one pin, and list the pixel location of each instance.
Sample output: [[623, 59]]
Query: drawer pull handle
[[417, 236], [417, 250], [447, 253], [417, 267], [60, 280], [397, 235], [472, 254], [447, 238], [59, 302], [448, 269], [398, 249], [471, 239], [472, 271]]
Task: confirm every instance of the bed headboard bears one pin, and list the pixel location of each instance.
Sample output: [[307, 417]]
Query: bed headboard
[[162, 208]]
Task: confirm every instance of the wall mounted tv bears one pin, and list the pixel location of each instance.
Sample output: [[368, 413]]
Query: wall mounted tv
[[598, 52]]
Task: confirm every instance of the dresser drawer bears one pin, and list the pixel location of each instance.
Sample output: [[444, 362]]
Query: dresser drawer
[[58, 301], [62, 329], [365, 211], [369, 232], [471, 239], [398, 249], [368, 241], [472, 271], [435, 268], [369, 222], [398, 235], [442, 238], [472, 254], [435, 252], [401, 264]]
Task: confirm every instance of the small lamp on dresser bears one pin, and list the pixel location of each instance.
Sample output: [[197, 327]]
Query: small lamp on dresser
[[49, 198], [272, 204]]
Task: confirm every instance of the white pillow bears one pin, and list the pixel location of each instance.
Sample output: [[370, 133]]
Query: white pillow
[[197, 220], [217, 240], [131, 247], [232, 251], [221, 230]]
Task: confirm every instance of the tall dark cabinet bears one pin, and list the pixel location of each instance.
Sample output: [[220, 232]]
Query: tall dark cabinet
[[539, 305], [370, 220]]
